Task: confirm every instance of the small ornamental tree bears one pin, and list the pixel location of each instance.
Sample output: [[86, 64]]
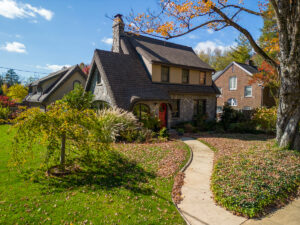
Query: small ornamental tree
[[67, 126], [17, 92]]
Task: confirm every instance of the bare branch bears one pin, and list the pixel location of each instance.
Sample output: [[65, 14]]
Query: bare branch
[[244, 9]]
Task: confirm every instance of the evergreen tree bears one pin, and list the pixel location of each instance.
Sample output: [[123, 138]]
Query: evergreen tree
[[11, 77], [242, 52]]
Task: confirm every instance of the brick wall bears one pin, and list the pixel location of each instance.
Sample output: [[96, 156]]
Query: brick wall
[[239, 94]]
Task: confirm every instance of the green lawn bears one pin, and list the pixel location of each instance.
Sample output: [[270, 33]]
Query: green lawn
[[127, 189]]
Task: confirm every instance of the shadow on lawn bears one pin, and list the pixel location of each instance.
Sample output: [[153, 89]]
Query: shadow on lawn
[[108, 173]]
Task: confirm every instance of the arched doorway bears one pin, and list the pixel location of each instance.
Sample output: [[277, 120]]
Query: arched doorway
[[163, 114]]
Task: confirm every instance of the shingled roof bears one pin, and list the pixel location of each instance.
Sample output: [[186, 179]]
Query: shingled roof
[[159, 51], [62, 76], [128, 81]]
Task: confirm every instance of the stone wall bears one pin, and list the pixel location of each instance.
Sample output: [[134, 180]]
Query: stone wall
[[186, 107]]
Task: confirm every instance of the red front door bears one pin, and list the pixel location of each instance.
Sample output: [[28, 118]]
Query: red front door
[[163, 114]]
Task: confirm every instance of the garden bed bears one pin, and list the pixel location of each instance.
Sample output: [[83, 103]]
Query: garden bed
[[132, 186], [251, 175]]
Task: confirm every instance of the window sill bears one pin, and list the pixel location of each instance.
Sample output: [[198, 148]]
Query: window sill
[[99, 84], [232, 89], [248, 96]]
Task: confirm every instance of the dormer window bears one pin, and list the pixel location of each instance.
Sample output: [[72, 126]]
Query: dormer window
[[165, 74], [185, 76]]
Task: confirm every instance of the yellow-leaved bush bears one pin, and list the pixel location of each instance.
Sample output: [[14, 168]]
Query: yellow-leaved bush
[[265, 118]]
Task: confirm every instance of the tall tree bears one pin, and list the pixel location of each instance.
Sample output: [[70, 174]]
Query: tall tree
[[242, 52], [11, 77], [179, 17]]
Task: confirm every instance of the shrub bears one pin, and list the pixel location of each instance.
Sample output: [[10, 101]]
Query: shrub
[[163, 133], [243, 127], [4, 113], [123, 125], [17, 92], [6, 102], [266, 118], [180, 131], [151, 122], [230, 115], [78, 98]]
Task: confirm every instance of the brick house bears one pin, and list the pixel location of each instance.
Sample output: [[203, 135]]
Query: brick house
[[147, 75], [233, 83]]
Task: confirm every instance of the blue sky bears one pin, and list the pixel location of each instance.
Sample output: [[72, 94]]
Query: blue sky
[[43, 35]]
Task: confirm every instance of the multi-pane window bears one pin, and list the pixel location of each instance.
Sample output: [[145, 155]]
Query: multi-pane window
[[248, 91], [165, 74], [199, 106], [233, 83], [176, 109], [203, 78], [185, 76], [141, 111], [232, 102]]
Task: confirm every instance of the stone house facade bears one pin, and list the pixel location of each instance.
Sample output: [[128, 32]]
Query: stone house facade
[[147, 75], [233, 83], [53, 87]]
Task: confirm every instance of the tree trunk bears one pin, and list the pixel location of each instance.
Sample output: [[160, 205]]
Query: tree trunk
[[288, 115], [63, 150]]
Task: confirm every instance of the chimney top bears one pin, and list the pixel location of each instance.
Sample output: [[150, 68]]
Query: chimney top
[[250, 62]]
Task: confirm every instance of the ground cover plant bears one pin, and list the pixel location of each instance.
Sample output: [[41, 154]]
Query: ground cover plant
[[132, 186], [251, 174]]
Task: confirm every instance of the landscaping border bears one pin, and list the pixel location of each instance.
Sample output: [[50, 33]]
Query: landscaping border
[[182, 170]]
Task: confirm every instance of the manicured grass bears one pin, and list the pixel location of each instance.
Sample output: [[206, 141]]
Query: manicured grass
[[133, 186], [251, 175]]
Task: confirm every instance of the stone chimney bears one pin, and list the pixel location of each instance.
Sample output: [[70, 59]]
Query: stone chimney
[[118, 31]]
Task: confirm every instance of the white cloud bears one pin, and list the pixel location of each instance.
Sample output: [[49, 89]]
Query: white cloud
[[204, 46], [52, 67], [210, 31], [108, 41], [12, 9], [14, 47]]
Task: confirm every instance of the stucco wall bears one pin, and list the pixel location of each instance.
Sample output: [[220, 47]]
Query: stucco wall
[[46, 84], [243, 79], [66, 87], [176, 74]]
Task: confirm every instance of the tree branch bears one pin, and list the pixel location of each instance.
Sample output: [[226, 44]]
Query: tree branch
[[247, 35]]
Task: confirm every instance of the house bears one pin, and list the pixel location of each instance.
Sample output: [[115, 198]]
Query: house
[[233, 83], [147, 75], [48, 89]]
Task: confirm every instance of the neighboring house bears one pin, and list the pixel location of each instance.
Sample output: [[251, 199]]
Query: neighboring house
[[147, 75], [48, 89], [233, 83]]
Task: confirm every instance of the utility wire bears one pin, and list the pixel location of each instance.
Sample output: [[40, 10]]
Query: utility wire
[[27, 71]]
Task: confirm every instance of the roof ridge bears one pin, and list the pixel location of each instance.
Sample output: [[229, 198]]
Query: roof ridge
[[156, 39]]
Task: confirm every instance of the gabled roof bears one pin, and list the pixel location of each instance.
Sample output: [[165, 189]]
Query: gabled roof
[[63, 75], [163, 52], [50, 76], [247, 68], [127, 80]]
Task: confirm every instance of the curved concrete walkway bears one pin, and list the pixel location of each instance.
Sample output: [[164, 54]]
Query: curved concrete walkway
[[198, 206]]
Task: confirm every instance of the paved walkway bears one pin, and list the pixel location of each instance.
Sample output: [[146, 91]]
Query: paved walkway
[[198, 206]]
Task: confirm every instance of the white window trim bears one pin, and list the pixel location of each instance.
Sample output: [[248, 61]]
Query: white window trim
[[248, 96], [235, 88], [232, 101]]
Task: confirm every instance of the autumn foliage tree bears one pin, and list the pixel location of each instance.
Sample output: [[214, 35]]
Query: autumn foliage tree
[[179, 17]]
